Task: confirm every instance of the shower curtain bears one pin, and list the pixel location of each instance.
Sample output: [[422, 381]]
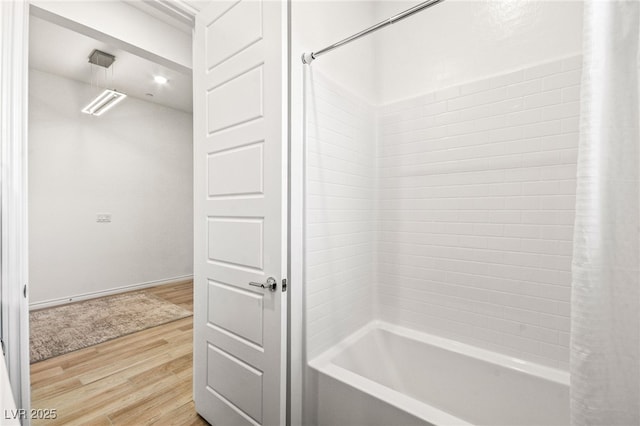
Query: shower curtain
[[605, 342]]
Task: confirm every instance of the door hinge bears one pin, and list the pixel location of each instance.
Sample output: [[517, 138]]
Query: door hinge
[[24, 291], [284, 285], [2, 346]]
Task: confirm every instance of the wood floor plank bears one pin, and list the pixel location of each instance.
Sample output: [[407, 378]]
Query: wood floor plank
[[183, 416], [140, 379]]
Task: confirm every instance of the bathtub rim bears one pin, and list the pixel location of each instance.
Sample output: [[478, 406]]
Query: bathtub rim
[[323, 364]]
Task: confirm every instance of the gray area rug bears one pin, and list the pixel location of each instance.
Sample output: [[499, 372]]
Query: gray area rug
[[62, 329]]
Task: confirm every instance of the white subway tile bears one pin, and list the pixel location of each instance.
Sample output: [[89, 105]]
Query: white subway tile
[[564, 79], [537, 100], [521, 315], [486, 97], [507, 79], [543, 70], [523, 231], [564, 309], [549, 187], [476, 86], [542, 129], [523, 174], [564, 110], [571, 93], [568, 140], [525, 88], [558, 202], [448, 93], [510, 244], [488, 229], [524, 117], [557, 322], [569, 156], [434, 108], [522, 203], [447, 118], [565, 171], [557, 232], [542, 158], [506, 134]]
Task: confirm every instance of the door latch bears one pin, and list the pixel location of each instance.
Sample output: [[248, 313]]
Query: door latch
[[271, 284]]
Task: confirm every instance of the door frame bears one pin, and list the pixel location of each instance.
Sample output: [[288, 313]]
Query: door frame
[[14, 217], [14, 114], [14, 256], [14, 271]]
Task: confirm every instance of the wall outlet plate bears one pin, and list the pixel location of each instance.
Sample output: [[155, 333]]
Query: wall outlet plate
[[103, 218]]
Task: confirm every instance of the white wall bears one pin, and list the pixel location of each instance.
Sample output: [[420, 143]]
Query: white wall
[[317, 24], [134, 162], [122, 26], [459, 41]]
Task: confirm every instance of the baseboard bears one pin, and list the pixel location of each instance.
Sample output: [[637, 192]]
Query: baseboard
[[93, 295]]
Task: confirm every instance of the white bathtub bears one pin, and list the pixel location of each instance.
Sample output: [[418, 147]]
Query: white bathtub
[[385, 375]]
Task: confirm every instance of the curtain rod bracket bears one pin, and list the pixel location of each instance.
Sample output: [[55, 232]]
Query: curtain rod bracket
[[307, 58]]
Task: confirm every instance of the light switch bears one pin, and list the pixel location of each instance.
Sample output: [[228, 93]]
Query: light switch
[[103, 218]]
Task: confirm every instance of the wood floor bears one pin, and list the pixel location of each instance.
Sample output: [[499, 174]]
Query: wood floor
[[140, 379]]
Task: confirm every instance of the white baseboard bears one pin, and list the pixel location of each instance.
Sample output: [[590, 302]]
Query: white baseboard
[[93, 295]]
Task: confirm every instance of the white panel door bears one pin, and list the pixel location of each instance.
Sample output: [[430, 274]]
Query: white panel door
[[240, 163]]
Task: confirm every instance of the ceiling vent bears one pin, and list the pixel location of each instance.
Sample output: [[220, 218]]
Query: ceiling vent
[[101, 58]]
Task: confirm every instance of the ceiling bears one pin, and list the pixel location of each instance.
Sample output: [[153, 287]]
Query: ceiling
[[58, 50]]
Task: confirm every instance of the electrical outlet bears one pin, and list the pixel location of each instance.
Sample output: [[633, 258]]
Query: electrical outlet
[[103, 218]]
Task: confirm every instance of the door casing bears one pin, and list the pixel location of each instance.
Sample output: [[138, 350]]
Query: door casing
[[14, 46]]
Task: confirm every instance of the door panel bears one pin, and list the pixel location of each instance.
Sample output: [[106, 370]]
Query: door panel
[[226, 301], [240, 212], [227, 180]]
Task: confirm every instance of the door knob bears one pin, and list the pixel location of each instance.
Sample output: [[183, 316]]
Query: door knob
[[271, 284]]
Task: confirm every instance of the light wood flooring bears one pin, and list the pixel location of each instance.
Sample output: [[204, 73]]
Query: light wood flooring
[[140, 379]]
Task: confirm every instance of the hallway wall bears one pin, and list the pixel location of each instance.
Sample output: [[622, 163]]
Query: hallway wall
[[134, 162]]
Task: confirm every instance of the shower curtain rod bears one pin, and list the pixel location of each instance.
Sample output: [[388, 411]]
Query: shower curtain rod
[[307, 58]]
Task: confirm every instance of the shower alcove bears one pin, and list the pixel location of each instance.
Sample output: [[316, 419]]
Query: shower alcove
[[439, 191]]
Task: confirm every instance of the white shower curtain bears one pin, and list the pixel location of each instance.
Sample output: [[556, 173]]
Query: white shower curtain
[[605, 342]]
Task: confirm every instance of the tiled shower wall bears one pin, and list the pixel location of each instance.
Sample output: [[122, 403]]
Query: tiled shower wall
[[340, 231], [476, 187], [451, 213]]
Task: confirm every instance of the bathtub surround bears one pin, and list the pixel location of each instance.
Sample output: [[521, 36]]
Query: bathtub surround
[[340, 206], [605, 341], [474, 196]]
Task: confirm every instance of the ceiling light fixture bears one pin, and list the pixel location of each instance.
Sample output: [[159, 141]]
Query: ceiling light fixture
[[109, 97], [104, 102], [160, 79]]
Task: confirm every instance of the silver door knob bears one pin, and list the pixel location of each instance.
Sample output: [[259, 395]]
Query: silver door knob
[[271, 284]]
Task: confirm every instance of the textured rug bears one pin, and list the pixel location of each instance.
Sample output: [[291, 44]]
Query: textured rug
[[62, 329]]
